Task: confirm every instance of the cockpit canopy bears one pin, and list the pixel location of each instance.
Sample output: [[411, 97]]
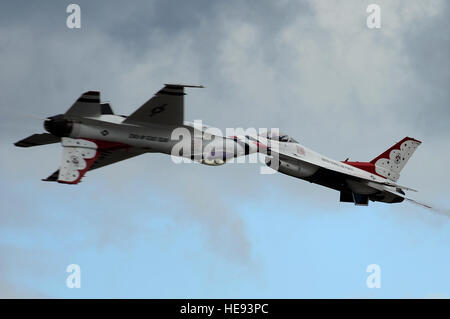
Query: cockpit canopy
[[278, 136]]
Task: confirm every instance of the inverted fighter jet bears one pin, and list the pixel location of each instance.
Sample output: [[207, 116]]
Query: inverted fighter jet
[[357, 182], [92, 136]]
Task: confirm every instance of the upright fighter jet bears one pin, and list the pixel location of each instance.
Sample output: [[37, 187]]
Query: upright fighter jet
[[357, 182], [92, 136]]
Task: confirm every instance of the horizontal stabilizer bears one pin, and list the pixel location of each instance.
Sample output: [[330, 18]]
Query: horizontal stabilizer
[[38, 139]]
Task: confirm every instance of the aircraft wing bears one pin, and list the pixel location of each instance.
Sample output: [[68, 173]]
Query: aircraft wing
[[334, 168], [393, 191], [82, 155], [38, 139], [166, 107]]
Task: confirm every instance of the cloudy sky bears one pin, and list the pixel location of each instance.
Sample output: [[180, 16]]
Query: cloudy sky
[[150, 228]]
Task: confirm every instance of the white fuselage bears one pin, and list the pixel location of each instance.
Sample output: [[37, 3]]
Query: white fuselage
[[186, 141], [309, 162]]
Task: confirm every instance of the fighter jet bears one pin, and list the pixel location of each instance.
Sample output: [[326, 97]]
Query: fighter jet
[[92, 136], [357, 182]]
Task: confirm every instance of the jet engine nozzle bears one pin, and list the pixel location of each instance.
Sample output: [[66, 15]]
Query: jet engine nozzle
[[58, 126]]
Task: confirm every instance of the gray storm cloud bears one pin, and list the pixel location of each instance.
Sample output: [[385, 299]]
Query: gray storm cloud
[[310, 68]]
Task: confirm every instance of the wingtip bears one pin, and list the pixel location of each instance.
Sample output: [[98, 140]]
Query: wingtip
[[184, 85], [92, 93], [24, 144]]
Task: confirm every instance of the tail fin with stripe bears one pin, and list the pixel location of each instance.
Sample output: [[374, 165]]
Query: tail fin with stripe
[[390, 163]]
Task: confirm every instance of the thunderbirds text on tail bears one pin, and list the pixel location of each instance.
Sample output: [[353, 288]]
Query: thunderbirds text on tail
[[92, 136]]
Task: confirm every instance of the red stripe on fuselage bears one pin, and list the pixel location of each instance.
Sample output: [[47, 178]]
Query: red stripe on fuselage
[[365, 166]]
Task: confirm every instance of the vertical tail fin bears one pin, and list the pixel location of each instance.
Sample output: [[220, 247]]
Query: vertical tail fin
[[391, 162], [88, 104]]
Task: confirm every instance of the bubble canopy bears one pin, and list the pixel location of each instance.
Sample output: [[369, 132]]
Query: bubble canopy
[[278, 136]]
